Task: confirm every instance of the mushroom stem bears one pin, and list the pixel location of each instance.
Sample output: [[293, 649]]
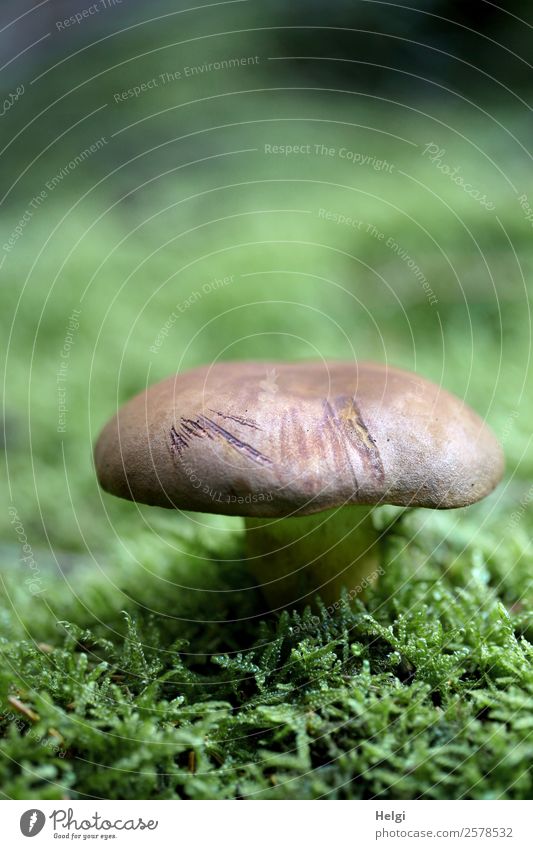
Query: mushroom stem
[[296, 558]]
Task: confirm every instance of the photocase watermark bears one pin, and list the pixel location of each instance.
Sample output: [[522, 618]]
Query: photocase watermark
[[355, 157], [517, 515], [23, 222], [45, 742], [340, 218], [526, 208], [269, 387], [402, 254], [436, 156], [11, 99], [88, 12], [218, 497], [34, 580], [508, 426], [40, 197], [314, 621], [390, 243], [183, 306], [185, 73], [58, 178], [73, 325]]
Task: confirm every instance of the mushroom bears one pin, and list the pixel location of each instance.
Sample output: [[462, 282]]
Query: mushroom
[[304, 451]]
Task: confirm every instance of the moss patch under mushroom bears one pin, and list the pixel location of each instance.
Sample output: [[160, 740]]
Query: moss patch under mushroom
[[427, 690]]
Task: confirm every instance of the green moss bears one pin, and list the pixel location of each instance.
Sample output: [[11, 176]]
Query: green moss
[[424, 690], [157, 678]]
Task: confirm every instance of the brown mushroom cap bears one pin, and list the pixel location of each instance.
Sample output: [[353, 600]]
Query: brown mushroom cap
[[274, 439]]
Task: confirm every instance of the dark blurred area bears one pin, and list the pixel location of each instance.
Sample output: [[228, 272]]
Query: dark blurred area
[[457, 52], [459, 45]]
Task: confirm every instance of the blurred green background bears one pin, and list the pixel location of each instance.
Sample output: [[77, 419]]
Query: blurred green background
[[182, 190], [181, 186]]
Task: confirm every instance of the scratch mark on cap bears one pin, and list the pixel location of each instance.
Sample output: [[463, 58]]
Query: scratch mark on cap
[[238, 419], [348, 416], [202, 427]]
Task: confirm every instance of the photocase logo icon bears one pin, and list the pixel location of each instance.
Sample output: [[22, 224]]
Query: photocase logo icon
[[32, 822]]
